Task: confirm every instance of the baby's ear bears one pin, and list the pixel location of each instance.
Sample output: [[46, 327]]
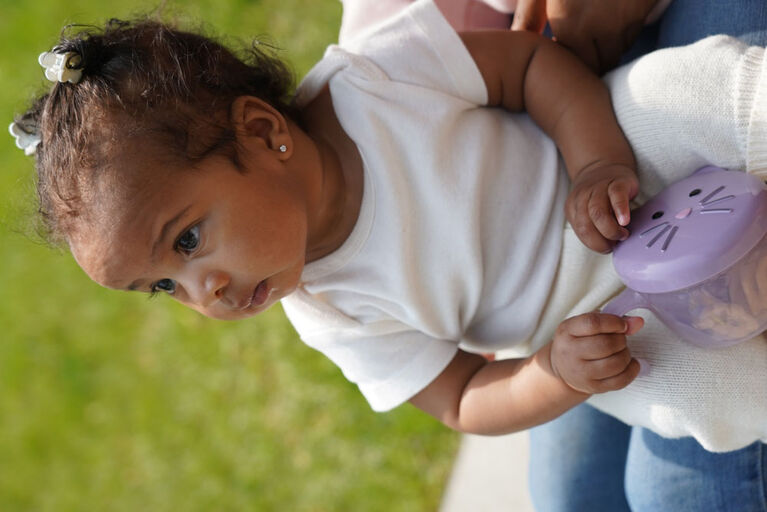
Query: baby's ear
[[257, 122]]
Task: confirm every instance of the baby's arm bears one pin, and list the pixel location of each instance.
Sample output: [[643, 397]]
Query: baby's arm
[[587, 355], [524, 71]]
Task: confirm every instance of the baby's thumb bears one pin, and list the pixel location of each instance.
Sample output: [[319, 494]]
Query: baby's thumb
[[633, 324]]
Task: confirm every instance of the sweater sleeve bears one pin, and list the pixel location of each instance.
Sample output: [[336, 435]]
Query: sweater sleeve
[[683, 108], [719, 397]]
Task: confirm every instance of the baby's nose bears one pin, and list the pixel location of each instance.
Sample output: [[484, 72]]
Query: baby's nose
[[210, 288]]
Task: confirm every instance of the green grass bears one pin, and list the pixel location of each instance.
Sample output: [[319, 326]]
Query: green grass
[[111, 402]]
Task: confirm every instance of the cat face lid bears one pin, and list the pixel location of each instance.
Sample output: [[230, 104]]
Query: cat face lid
[[692, 230]]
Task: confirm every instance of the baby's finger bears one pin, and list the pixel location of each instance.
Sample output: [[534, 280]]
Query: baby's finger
[[619, 192], [607, 367], [618, 381], [600, 346], [601, 214], [587, 233], [590, 324]]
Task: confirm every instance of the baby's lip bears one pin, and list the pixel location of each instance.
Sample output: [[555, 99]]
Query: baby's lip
[[259, 296]]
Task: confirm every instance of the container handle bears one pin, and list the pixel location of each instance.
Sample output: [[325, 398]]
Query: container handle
[[627, 300]]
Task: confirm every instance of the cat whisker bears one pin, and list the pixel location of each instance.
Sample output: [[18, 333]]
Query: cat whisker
[[669, 238], [725, 198], [712, 194], [718, 210], [657, 237], [643, 233]]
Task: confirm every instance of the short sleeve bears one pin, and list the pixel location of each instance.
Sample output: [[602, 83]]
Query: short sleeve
[[420, 47], [387, 360]]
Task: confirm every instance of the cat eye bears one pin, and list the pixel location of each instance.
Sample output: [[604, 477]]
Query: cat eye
[[695, 192], [657, 215]]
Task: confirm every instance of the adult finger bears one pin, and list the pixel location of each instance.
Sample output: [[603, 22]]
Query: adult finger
[[608, 48], [529, 15], [577, 40]]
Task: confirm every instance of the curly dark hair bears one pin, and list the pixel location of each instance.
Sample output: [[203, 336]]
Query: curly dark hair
[[147, 82]]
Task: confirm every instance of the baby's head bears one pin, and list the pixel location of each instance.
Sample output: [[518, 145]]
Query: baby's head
[[159, 165]]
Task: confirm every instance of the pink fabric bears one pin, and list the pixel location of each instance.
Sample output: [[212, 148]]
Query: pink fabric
[[462, 14]]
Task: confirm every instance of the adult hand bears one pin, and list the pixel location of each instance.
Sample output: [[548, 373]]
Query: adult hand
[[598, 31]]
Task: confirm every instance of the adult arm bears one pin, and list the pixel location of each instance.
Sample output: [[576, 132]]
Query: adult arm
[[598, 31]]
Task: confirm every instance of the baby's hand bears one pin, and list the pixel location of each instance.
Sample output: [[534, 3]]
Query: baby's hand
[[589, 352], [598, 205]]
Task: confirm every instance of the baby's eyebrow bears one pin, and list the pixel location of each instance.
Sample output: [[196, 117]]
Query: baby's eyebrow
[[165, 229]]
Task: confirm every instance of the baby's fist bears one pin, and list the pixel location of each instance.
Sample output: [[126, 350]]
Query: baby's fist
[[598, 205], [589, 352]]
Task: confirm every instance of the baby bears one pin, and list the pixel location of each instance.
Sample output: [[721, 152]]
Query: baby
[[404, 221]]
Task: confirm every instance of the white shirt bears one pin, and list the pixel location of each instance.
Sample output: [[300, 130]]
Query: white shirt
[[460, 229]]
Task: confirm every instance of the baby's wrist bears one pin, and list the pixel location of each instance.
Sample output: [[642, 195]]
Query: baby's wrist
[[553, 369], [615, 168]]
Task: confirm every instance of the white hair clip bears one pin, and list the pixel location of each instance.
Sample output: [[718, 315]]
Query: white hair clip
[[24, 140], [61, 67]]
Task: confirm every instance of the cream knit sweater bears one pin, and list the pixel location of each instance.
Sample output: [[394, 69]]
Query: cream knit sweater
[[681, 109]]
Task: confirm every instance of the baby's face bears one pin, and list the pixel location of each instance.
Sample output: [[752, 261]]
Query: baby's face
[[224, 242]]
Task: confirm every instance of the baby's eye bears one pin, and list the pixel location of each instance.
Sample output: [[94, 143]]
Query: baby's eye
[[189, 240], [164, 285]]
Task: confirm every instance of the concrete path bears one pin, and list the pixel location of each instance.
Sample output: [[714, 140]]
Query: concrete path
[[489, 475]]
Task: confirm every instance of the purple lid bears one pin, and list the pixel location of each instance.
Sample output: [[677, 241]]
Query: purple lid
[[692, 230]]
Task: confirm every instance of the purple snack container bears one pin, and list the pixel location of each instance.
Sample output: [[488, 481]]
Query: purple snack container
[[697, 258]]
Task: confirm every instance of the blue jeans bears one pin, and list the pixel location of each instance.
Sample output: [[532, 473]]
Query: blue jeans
[[586, 461], [687, 21]]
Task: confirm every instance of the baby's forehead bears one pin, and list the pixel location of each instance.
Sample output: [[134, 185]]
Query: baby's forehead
[[105, 256], [111, 239]]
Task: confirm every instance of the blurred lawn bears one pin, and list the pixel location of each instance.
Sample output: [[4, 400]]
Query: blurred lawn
[[110, 402]]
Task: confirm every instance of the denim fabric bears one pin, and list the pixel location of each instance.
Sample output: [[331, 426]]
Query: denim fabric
[[586, 461], [577, 463], [687, 21], [679, 476]]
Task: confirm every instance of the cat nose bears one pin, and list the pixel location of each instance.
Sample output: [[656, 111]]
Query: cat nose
[[681, 214]]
